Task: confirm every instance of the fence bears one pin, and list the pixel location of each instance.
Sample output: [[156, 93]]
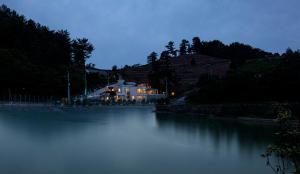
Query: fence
[[26, 99]]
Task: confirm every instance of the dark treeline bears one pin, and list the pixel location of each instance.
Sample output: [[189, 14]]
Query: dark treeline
[[259, 80], [162, 75], [237, 52], [35, 60], [255, 75]]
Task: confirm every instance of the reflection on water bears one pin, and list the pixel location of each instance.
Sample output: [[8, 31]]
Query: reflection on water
[[218, 133], [126, 140]]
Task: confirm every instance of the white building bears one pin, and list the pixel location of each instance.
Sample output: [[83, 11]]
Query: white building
[[130, 91]]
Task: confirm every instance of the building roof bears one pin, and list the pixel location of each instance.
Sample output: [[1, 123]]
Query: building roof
[[104, 72]]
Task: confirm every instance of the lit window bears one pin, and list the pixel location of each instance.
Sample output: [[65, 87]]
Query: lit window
[[139, 91]]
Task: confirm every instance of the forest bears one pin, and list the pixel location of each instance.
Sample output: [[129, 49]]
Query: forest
[[35, 60], [258, 80], [255, 75]]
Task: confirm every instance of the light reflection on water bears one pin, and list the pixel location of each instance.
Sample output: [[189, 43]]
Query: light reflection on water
[[126, 140]]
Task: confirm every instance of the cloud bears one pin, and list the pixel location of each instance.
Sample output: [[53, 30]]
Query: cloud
[[125, 32]]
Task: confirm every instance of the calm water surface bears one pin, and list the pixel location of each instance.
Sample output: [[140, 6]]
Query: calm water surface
[[115, 140]]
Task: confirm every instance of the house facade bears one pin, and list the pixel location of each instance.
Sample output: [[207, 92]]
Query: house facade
[[130, 91]]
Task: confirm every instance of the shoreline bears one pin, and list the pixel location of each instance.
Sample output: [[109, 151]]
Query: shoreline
[[245, 120], [72, 106], [258, 113], [165, 111]]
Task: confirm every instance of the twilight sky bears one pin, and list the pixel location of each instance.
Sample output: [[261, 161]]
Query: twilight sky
[[126, 31]]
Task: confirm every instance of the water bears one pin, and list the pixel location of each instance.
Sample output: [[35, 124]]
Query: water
[[115, 140]]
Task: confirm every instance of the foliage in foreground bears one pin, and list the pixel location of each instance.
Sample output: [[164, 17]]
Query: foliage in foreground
[[284, 155]]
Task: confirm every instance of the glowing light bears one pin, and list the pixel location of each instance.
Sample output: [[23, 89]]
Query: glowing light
[[139, 91]]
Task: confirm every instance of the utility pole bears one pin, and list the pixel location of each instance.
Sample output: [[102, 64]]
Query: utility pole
[[9, 95], [69, 92], [85, 82], [166, 87], [108, 78]]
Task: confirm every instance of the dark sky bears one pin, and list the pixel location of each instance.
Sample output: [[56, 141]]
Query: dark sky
[[126, 31]]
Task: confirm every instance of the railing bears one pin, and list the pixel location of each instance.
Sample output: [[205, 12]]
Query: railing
[[26, 99]]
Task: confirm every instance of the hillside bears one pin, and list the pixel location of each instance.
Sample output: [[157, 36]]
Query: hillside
[[267, 79], [185, 69]]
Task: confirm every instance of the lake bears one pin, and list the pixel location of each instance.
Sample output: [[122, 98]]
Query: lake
[[126, 140]]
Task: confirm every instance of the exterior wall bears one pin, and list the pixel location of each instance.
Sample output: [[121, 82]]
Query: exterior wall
[[133, 92]]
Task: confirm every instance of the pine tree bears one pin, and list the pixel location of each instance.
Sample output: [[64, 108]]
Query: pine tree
[[184, 47], [152, 58], [171, 49], [196, 45]]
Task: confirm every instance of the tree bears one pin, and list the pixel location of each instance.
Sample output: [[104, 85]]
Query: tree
[[196, 45], [285, 152], [166, 73], [152, 58], [193, 62], [33, 54], [184, 47], [153, 74], [165, 60], [114, 76], [171, 49], [82, 50], [290, 54]]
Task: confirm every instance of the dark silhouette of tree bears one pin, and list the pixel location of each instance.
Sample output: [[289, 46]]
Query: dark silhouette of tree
[[82, 50], [290, 54], [160, 71], [184, 47], [193, 62], [171, 49], [214, 48], [260, 80], [153, 74], [152, 58], [165, 61], [34, 60], [114, 76], [196, 45]]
